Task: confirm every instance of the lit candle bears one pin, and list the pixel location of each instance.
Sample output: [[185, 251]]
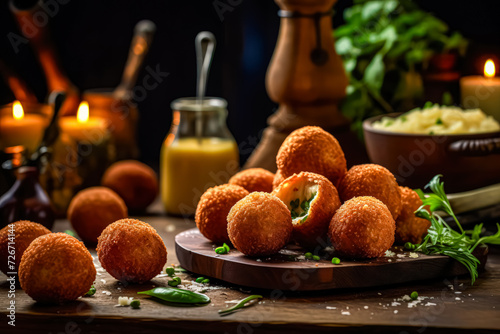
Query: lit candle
[[84, 128], [21, 129], [482, 92]]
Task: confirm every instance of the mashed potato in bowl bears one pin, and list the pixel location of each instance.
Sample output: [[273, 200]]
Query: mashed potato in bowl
[[439, 120]]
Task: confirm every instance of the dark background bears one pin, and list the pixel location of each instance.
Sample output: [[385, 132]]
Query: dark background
[[93, 38]]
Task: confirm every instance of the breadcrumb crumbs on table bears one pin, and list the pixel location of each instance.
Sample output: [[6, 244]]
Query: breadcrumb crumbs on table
[[346, 313], [389, 253]]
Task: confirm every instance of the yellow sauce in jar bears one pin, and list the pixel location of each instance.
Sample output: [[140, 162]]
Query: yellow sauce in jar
[[189, 166]]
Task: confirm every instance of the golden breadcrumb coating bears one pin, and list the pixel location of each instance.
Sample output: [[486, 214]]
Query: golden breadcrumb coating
[[56, 267], [259, 224], [131, 251], [362, 227], [92, 209], [278, 178], [24, 232], [304, 186], [254, 179], [135, 182], [212, 210], [312, 149], [372, 180], [410, 228]]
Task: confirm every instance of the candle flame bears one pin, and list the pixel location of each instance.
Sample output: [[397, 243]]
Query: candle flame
[[489, 69], [82, 115], [17, 110]]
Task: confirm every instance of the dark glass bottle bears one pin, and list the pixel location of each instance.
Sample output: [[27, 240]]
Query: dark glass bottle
[[11, 158], [26, 200]]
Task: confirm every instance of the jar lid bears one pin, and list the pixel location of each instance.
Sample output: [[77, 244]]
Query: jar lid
[[194, 104]]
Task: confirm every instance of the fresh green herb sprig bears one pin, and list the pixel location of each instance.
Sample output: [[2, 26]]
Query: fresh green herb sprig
[[441, 238], [241, 304]]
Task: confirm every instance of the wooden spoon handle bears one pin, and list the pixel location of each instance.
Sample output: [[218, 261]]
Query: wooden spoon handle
[[143, 36]]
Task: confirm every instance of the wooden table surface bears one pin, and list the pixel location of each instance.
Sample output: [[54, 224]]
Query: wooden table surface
[[449, 305]]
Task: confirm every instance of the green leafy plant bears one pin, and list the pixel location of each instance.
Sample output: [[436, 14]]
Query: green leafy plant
[[441, 238], [384, 46]]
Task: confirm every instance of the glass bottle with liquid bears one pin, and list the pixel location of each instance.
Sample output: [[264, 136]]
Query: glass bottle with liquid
[[199, 152]]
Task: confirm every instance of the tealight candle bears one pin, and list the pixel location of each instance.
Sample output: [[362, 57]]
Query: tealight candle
[[482, 92], [79, 158], [21, 129], [84, 128]]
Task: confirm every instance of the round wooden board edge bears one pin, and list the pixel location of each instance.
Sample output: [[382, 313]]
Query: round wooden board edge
[[305, 276]]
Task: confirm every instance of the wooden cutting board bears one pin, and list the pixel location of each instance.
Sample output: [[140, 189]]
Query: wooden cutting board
[[288, 270]]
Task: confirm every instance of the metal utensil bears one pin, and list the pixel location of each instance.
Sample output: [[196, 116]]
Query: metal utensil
[[205, 47]]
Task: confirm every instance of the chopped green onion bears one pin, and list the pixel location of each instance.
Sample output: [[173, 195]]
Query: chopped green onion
[[199, 279], [91, 291], [170, 271], [414, 295], [335, 260], [175, 281], [316, 257], [136, 303], [308, 255]]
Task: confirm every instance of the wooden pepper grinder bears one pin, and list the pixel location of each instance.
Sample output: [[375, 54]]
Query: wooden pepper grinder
[[306, 77]]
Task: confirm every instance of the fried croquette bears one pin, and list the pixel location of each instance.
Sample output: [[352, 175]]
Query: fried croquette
[[254, 179], [212, 210], [410, 228], [362, 227], [312, 149], [92, 209], [131, 251], [56, 267], [20, 234], [259, 224], [136, 183], [372, 180], [312, 200], [278, 178]]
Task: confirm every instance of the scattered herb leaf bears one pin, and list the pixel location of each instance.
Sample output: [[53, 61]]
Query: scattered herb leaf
[[176, 295], [241, 304]]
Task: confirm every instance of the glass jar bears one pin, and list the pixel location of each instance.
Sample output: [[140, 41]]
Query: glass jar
[[199, 152]]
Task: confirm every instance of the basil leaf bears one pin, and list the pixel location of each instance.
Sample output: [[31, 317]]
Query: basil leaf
[[176, 295]]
